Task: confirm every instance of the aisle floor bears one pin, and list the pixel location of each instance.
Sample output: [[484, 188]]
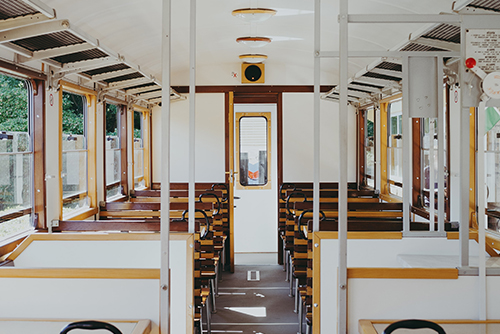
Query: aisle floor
[[255, 306]]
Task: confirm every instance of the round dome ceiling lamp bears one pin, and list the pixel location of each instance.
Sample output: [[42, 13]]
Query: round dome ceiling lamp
[[252, 15], [254, 42], [253, 58]]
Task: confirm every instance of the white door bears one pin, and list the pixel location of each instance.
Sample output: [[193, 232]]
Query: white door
[[255, 186]]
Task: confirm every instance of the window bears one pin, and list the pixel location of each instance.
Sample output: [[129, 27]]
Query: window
[[113, 151], [370, 144], [253, 139], [428, 139], [492, 168], [16, 157], [74, 153], [139, 179], [395, 148]]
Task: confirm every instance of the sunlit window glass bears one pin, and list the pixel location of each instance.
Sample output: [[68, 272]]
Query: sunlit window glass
[[253, 151], [139, 181], [74, 153], [16, 157], [113, 151]]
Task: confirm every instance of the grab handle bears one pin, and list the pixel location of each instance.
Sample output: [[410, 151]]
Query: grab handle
[[91, 325]]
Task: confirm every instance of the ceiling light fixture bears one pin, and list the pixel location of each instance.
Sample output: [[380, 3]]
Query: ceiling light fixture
[[254, 14], [253, 58], [254, 42]]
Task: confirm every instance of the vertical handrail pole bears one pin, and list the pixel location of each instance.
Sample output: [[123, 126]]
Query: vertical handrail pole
[[441, 142], [407, 141], [192, 113], [432, 211], [342, 204], [165, 172], [464, 160], [317, 72]]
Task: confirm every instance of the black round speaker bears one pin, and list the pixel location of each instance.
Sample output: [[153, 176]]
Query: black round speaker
[[253, 73]]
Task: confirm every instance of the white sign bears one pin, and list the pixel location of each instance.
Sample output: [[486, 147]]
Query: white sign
[[484, 46]]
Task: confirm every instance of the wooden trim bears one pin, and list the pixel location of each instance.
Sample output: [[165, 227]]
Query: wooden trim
[[87, 273], [59, 178], [403, 273], [147, 147], [123, 148], [360, 147], [38, 121], [391, 98], [87, 237], [150, 156], [11, 68], [316, 311], [255, 98], [77, 89], [448, 154], [92, 149], [190, 283], [493, 241], [226, 136], [361, 235], [142, 327], [252, 89], [10, 247], [231, 179], [440, 321], [366, 327], [456, 235], [384, 188], [267, 115], [390, 198], [81, 215]]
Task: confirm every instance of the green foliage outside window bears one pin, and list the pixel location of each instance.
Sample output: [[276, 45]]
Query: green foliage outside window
[[73, 110], [13, 104]]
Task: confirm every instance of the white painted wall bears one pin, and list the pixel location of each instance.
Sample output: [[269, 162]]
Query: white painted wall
[[97, 298], [396, 298], [210, 140], [298, 139]]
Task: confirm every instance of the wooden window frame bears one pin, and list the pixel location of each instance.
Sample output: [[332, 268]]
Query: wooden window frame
[[36, 124], [122, 133], [91, 97], [146, 143]]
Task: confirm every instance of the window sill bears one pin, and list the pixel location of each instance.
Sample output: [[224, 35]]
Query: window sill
[[117, 198], [81, 214], [391, 198]]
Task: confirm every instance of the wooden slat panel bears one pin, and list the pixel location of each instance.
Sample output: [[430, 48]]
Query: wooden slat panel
[[403, 273]]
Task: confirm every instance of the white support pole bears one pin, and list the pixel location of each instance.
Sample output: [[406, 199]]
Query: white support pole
[[441, 142], [464, 161], [317, 72], [192, 113], [342, 204], [432, 211], [481, 204], [407, 139], [165, 173]]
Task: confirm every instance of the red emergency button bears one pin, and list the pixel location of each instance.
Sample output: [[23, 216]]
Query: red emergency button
[[470, 62]]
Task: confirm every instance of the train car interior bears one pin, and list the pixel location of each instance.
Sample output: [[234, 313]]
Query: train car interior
[[250, 166]]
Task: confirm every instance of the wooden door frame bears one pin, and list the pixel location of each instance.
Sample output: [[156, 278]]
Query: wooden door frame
[[230, 99]]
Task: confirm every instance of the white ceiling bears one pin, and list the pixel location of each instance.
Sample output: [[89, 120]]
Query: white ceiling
[[133, 29]]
